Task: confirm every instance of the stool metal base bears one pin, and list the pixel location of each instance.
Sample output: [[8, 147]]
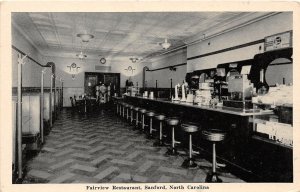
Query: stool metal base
[[149, 136], [172, 152], [189, 164], [159, 143], [212, 177]]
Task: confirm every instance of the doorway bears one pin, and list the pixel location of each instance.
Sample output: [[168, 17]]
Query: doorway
[[92, 79]]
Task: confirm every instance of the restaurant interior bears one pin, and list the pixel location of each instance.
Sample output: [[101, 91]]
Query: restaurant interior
[[152, 97]]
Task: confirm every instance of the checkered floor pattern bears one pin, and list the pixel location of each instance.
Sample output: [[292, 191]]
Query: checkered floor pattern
[[101, 148]]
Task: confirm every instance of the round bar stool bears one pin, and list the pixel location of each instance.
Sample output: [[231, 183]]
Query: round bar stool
[[190, 129], [117, 105], [150, 114], [213, 135], [123, 110], [120, 108], [131, 114], [173, 122], [127, 111], [143, 112], [160, 142], [136, 109]]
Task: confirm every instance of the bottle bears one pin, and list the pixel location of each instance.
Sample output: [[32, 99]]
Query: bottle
[[262, 87]]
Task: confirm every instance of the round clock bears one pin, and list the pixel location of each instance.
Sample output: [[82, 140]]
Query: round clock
[[102, 60], [73, 65]]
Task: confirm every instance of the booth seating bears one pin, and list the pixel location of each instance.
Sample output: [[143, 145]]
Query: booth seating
[[190, 129], [56, 103], [31, 120], [47, 127], [214, 136], [173, 122], [160, 141], [150, 115], [143, 112], [14, 132]]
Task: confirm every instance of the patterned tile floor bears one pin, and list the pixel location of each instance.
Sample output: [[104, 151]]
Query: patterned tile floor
[[101, 148]]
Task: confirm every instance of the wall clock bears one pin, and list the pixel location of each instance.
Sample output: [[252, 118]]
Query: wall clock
[[102, 60]]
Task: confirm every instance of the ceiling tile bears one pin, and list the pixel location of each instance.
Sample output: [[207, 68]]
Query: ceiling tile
[[120, 34]]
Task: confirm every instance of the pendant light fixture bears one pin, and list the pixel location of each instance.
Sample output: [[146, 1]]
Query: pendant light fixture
[[134, 59], [85, 37]]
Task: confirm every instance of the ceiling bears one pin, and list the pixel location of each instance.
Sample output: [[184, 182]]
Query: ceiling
[[119, 36]]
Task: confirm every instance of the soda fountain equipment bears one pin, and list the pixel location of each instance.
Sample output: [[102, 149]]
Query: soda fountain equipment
[[240, 89]]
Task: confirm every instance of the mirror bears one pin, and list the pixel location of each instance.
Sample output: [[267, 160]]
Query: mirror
[[279, 69]]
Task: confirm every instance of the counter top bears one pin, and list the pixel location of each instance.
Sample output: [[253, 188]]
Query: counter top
[[228, 110]]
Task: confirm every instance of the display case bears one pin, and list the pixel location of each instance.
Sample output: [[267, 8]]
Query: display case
[[272, 138], [276, 127]]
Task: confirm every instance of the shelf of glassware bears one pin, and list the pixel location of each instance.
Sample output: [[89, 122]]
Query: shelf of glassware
[[276, 128]]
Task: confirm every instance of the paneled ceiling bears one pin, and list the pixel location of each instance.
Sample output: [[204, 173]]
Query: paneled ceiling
[[121, 35]]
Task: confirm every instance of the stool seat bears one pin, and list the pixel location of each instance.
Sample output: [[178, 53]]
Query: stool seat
[[160, 117], [143, 111], [150, 114], [173, 121], [214, 135], [136, 109], [131, 107], [190, 128]]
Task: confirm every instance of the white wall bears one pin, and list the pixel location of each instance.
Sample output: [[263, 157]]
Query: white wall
[[163, 76], [88, 65], [31, 72], [276, 24], [76, 86]]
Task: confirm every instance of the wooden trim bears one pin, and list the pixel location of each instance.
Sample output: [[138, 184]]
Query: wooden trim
[[228, 49]]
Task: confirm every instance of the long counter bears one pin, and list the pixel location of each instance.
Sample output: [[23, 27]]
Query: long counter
[[239, 150], [227, 110]]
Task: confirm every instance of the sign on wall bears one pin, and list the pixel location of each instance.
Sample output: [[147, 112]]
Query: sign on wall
[[278, 41]]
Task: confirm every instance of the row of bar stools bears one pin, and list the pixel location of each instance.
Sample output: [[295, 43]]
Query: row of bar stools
[[160, 142], [211, 135], [173, 122]]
